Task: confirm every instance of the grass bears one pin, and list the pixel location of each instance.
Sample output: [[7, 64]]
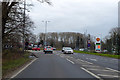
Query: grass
[[99, 54], [10, 64]]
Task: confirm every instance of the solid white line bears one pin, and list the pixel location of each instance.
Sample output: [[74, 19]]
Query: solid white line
[[91, 73], [107, 75], [113, 70], [23, 68], [71, 61]]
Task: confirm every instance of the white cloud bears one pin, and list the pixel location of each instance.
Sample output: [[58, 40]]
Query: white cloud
[[97, 16]]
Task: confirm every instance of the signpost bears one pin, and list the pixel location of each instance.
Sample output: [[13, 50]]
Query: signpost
[[88, 44], [98, 45]]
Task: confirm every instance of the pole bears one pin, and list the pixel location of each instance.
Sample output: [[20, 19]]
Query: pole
[[24, 26], [45, 31]]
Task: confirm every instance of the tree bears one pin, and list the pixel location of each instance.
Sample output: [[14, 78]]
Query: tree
[[112, 42], [59, 40]]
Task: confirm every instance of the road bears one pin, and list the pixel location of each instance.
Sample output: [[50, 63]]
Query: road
[[77, 65]]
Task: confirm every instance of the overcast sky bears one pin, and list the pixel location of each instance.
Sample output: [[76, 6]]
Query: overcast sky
[[95, 16]]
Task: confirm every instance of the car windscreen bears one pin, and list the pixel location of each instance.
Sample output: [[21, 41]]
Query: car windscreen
[[48, 47], [68, 48]]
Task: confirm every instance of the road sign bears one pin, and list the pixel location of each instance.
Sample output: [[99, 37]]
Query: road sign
[[98, 39], [88, 43], [98, 45]]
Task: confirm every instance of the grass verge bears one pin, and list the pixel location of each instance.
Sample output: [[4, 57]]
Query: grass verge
[[9, 65], [99, 54]]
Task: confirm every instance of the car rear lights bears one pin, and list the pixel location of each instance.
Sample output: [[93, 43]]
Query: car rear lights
[[45, 49], [51, 48]]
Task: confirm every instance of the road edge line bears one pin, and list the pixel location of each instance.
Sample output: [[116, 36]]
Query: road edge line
[[23, 68]]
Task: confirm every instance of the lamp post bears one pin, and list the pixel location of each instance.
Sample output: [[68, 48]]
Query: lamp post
[[45, 31], [24, 26]]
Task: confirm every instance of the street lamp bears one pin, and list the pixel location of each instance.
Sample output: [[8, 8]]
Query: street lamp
[[45, 30], [24, 26]]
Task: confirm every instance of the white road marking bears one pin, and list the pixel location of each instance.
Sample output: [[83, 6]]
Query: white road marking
[[98, 70], [71, 61], [90, 66], [93, 59], [23, 68], [85, 61], [91, 73], [108, 75], [113, 70], [88, 62], [82, 60]]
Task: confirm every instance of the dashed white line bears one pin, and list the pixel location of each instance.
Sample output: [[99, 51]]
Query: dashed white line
[[23, 68], [71, 61], [112, 69], [92, 73]]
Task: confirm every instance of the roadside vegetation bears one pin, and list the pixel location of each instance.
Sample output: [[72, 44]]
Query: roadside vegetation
[[16, 27], [12, 60], [99, 54]]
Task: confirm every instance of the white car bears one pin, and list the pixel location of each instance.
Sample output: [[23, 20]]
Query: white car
[[63, 49], [48, 49], [68, 50], [81, 49]]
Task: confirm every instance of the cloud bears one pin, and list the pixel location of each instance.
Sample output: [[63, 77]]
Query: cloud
[[97, 16]]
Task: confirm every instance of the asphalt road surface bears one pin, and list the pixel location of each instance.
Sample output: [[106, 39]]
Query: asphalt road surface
[[77, 65]]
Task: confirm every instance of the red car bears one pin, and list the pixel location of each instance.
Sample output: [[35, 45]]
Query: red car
[[36, 48]]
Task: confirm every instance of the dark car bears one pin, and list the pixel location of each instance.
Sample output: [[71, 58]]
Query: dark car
[[48, 49]]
